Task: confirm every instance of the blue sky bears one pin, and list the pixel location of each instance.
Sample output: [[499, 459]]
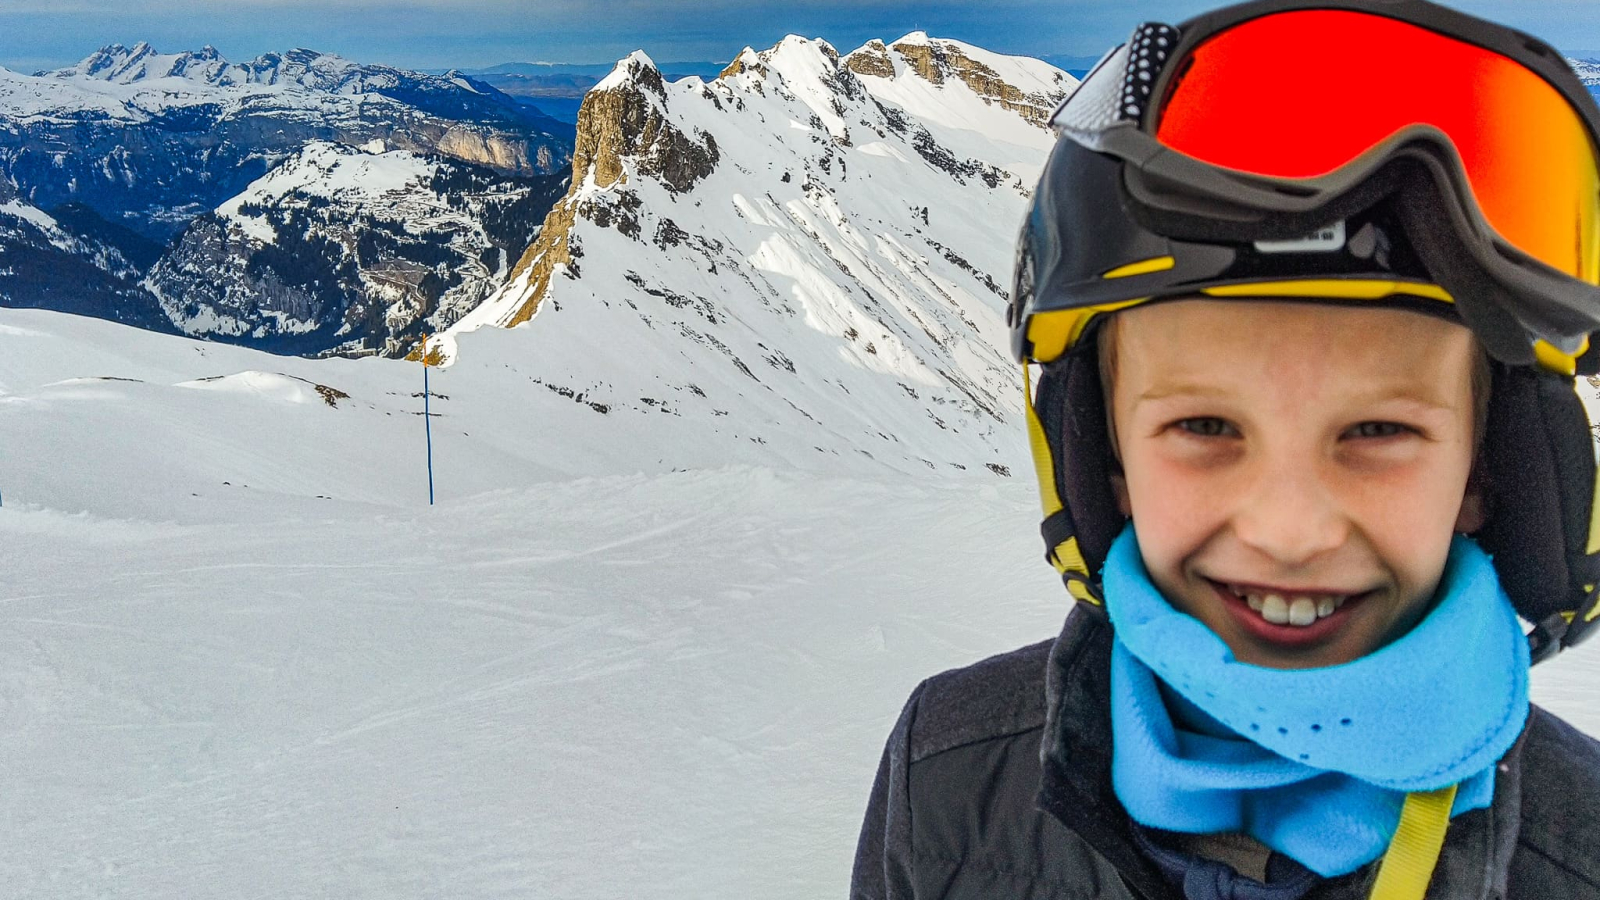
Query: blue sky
[[477, 33]]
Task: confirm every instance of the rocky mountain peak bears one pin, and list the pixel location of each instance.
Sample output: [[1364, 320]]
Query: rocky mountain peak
[[836, 251], [623, 126], [637, 69], [624, 118], [938, 61], [871, 58], [747, 59]]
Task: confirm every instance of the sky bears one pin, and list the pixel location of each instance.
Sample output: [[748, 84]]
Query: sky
[[436, 34]]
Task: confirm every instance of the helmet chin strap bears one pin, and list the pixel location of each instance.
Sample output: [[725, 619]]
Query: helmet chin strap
[[1413, 854]]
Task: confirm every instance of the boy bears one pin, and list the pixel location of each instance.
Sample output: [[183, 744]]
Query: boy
[[1309, 284]]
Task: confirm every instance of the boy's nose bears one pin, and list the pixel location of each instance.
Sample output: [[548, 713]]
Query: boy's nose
[[1289, 515]]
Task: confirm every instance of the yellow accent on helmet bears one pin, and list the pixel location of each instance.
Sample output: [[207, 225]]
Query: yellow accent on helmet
[[1594, 522], [1054, 333], [1066, 556], [1080, 591], [1142, 267], [1333, 289], [1555, 361], [1040, 447]]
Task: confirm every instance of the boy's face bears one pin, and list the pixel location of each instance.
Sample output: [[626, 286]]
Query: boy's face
[[1295, 470]]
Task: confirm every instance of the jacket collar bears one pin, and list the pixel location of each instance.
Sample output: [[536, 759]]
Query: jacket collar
[[1075, 786]]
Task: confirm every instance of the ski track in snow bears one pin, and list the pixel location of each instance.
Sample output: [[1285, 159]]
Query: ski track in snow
[[581, 674], [679, 683]]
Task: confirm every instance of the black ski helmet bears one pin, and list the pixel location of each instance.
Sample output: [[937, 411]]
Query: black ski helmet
[[1118, 220]]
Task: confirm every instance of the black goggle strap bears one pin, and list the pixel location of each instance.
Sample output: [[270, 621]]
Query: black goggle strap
[[1569, 627], [1060, 537], [1573, 626], [1565, 436]]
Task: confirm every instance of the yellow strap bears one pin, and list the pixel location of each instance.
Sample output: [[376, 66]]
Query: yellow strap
[[1408, 865], [1043, 465]]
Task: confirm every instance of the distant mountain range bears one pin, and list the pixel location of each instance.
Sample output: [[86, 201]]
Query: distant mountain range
[[309, 204], [115, 170]]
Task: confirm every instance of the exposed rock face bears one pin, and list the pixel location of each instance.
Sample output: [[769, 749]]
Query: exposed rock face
[[623, 123], [937, 60], [809, 251], [872, 59], [627, 117], [343, 251], [553, 252]]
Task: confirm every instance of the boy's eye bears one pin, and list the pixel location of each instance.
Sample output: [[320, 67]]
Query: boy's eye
[[1204, 426], [1378, 429]]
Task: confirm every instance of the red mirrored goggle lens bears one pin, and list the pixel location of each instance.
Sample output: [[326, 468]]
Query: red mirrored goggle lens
[[1299, 94]]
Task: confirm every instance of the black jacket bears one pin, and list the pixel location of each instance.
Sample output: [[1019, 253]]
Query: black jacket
[[996, 783]]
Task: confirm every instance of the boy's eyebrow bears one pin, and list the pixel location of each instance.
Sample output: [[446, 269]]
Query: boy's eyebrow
[[1408, 393], [1181, 388]]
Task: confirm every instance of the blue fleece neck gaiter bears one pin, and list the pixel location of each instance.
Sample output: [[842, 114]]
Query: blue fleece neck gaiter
[[1313, 763]]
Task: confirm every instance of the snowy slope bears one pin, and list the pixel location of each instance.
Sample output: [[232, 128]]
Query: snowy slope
[[810, 249], [349, 250], [240, 656]]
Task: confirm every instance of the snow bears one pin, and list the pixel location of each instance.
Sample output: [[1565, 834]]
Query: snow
[[834, 286], [654, 634], [624, 70], [578, 675], [29, 213], [363, 176], [326, 169], [135, 85], [240, 655]]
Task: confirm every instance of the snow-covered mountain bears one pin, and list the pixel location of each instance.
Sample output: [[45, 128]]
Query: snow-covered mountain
[[1588, 72], [349, 250], [810, 250], [70, 265], [150, 140]]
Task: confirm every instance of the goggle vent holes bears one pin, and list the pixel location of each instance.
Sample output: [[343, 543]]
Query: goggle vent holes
[[1148, 50]]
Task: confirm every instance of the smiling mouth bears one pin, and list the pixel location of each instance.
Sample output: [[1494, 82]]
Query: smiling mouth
[[1287, 617], [1283, 608]]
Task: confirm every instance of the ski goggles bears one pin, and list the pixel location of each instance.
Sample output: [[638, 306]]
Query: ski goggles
[[1272, 120]]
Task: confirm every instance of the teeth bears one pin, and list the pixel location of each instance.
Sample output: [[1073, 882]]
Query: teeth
[[1303, 611], [1299, 611], [1274, 609]]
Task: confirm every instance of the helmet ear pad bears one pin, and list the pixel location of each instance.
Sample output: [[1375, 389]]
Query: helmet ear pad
[[1071, 408], [1538, 462]]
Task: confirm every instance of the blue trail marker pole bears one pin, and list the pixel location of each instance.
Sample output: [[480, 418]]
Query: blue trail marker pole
[[427, 418]]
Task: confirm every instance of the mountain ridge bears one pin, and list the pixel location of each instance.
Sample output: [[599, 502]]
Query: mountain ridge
[[794, 251]]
